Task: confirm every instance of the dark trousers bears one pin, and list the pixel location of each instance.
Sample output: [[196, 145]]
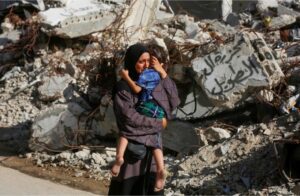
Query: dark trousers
[[137, 185], [134, 186]]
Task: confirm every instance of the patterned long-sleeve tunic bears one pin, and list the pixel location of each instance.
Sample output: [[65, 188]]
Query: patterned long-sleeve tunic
[[137, 127]]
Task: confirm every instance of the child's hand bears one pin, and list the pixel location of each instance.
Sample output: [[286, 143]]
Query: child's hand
[[124, 73], [158, 67], [155, 63]]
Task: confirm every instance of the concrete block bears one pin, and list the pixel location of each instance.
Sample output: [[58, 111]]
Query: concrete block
[[53, 87], [227, 75], [78, 18]]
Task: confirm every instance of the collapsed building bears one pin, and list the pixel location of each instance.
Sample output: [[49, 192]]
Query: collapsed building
[[59, 62]]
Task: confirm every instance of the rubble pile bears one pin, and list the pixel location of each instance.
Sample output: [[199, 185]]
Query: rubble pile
[[83, 162], [238, 81], [244, 163]]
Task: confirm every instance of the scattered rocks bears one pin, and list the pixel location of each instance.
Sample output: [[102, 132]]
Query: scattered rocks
[[214, 134], [84, 154], [55, 92]]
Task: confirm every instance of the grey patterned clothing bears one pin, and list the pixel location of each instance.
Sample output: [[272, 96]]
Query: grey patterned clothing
[[138, 127]]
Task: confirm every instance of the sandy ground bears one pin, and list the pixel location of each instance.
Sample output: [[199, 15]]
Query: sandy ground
[[33, 180]]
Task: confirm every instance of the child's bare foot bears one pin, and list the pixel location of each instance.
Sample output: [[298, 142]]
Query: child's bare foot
[[115, 170], [160, 180]]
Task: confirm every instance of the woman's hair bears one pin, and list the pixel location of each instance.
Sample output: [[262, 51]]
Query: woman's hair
[[159, 53], [132, 55]]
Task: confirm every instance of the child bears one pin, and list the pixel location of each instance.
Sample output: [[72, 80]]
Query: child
[[147, 81]]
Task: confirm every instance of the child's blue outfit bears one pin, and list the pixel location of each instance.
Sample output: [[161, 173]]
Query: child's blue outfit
[[147, 106], [148, 80]]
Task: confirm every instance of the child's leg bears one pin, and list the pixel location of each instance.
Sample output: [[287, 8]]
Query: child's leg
[[160, 173], [122, 144], [159, 159]]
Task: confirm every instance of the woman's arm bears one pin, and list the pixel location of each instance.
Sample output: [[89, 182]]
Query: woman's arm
[[130, 122], [134, 87]]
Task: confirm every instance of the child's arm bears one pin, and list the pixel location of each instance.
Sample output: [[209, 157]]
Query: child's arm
[[158, 67], [125, 75]]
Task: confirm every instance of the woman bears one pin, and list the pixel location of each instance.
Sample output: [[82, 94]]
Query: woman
[[132, 178]]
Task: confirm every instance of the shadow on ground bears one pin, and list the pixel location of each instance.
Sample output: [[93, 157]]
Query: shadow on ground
[[14, 140]]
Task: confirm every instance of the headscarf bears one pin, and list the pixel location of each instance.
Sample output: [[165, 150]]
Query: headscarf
[[132, 55]]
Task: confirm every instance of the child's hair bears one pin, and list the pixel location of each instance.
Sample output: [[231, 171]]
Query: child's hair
[[159, 53]]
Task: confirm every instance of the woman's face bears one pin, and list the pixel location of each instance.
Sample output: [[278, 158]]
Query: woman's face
[[143, 62]]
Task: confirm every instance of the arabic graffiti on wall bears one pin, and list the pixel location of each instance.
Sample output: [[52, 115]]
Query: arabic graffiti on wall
[[228, 70]]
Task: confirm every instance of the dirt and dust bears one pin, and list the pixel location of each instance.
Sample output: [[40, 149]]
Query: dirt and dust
[[233, 154], [59, 175]]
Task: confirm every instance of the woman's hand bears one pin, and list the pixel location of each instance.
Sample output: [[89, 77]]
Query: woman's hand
[[158, 67], [164, 123]]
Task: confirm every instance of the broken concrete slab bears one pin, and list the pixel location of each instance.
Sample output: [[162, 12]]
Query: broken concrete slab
[[265, 57], [213, 135], [78, 18], [164, 12], [190, 27], [220, 27], [285, 10], [191, 32], [281, 21], [216, 134], [218, 83], [53, 87], [105, 123], [227, 74], [195, 104], [81, 17], [265, 6], [138, 18], [55, 129], [42, 129], [180, 136], [60, 127]]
